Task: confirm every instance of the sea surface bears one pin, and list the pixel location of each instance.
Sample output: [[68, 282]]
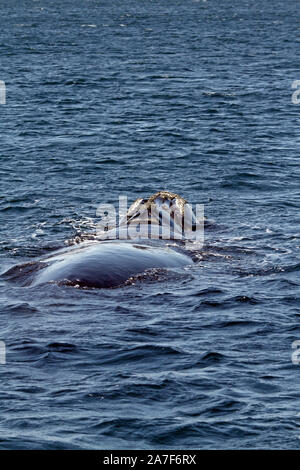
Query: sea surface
[[108, 98]]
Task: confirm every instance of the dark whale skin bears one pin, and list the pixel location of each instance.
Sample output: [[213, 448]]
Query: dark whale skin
[[106, 264]]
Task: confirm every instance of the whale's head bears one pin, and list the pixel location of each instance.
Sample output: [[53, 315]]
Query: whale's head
[[163, 215]]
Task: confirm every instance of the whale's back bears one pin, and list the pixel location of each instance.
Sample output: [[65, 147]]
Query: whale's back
[[107, 264]]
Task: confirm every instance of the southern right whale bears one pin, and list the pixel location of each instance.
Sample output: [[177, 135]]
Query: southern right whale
[[109, 263]]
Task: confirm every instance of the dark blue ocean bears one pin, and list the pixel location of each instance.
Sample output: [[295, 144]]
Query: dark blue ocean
[[111, 97]]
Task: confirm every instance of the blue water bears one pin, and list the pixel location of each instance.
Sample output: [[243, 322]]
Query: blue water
[[112, 97]]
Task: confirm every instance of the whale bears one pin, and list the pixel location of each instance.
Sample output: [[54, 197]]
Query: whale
[[110, 258], [107, 264]]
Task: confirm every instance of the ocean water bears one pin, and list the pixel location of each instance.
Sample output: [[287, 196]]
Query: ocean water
[[110, 97]]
